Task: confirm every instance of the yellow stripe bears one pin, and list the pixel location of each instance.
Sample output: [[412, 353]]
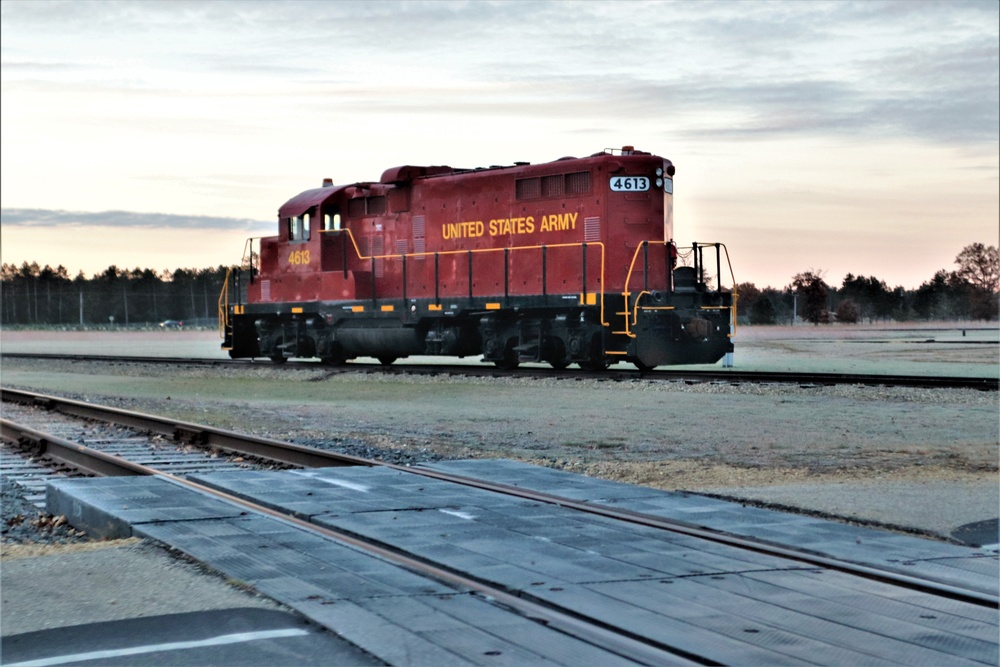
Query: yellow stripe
[[493, 306], [388, 309], [434, 306], [357, 309], [591, 299], [297, 310]]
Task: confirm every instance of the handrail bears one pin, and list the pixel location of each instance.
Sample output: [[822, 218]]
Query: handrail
[[248, 253], [223, 311], [223, 306], [635, 307], [469, 251], [736, 296]]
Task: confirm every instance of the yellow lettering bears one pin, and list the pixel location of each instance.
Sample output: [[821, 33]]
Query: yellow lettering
[[554, 222], [558, 222], [458, 230]]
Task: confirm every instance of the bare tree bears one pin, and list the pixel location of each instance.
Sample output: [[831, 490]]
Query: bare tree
[[980, 265]]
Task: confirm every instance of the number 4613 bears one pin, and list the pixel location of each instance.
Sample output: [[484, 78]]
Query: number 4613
[[298, 257]]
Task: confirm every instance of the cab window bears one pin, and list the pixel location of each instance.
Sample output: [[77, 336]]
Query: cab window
[[298, 227]]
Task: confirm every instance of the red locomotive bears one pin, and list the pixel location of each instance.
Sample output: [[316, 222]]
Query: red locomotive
[[571, 261]]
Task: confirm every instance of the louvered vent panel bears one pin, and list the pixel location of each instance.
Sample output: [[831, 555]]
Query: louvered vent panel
[[401, 246], [528, 188], [419, 242], [552, 186], [578, 183], [377, 249], [592, 229]]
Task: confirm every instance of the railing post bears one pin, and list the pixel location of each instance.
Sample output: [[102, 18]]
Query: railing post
[[584, 246], [506, 275], [343, 251], [545, 257], [697, 263], [645, 266], [669, 266], [718, 268], [470, 277]]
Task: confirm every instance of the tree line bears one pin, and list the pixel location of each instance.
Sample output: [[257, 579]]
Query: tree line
[[33, 295], [970, 292]]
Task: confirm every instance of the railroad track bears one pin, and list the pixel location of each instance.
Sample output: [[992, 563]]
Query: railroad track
[[126, 458], [227, 447], [733, 376]]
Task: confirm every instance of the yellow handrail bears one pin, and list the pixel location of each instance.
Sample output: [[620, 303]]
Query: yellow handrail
[[599, 244], [224, 304], [635, 309]]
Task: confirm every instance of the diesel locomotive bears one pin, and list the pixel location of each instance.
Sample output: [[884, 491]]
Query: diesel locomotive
[[567, 262]]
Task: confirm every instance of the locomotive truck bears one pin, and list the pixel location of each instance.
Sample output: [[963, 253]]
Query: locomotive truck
[[567, 262]]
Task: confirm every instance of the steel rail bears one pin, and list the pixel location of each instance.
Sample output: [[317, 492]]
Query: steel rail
[[299, 455], [68, 453], [981, 383], [613, 639], [750, 544], [199, 434]]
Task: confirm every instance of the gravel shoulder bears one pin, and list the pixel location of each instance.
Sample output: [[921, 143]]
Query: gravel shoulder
[[866, 453]]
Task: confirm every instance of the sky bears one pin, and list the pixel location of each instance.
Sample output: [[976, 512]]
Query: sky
[[837, 137]]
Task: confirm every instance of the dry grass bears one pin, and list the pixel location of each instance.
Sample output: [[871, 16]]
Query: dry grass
[[18, 551]]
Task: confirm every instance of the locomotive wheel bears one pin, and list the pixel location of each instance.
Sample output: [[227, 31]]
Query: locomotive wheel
[[643, 367], [559, 365], [387, 361], [510, 360], [333, 361], [596, 361], [279, 359]]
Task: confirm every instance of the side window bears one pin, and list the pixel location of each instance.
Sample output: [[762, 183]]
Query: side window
[[331, 222], [298, 227]]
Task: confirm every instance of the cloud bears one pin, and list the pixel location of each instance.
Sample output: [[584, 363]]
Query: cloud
[[730, 69], [34, 217]]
